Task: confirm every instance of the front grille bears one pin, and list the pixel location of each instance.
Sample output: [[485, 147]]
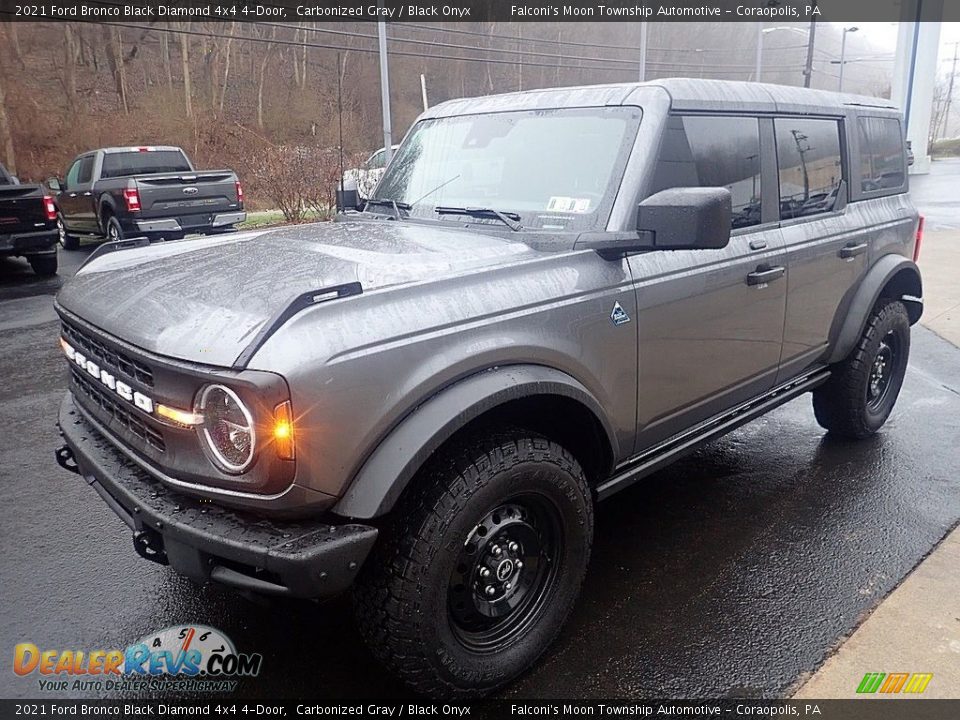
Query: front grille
[[115, 410], [107, 357]]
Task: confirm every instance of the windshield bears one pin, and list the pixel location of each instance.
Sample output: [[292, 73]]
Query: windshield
[[556, 169]]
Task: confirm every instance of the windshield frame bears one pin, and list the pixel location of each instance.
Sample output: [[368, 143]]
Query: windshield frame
[[532, 221]]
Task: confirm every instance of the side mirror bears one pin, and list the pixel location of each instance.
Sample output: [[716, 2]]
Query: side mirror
[[687, 218], [54, 184]]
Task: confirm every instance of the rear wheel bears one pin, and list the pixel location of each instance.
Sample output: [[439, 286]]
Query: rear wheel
[[860, 394], [44, 265], [480, 567], [66, 240], [114, 231]]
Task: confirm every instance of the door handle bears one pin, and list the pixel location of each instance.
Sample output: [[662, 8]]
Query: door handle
[[87, 194], [853, 250], [762, 275], [72, 194]]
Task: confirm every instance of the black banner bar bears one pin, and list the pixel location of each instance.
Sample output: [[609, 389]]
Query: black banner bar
[[154, 11], [893, 708]]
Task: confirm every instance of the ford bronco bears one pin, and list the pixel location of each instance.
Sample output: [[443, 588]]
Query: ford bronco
[[550, 295]]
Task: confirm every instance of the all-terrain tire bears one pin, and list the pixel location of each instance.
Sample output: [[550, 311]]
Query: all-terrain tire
[[44, 265], [860, 394], [423, 598], [66, 240]]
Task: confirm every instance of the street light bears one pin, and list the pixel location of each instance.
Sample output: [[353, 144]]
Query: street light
[[761, 31], [843, 53]]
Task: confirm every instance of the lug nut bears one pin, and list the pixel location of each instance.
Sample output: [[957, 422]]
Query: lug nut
[[491, 590], [496, 550], [519, 564], [513, 547], [484, 572], [507, 586]]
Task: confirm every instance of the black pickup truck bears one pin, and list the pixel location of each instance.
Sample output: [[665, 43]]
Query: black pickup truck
[[114, 193], [28, 224]]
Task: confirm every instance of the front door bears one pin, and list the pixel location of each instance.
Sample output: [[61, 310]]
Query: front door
[[76, 199], [710, 322]]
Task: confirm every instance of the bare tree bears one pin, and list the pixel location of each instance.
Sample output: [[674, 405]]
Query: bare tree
[[226, 66], [6, 137], [263, 73], [71, 57], [114, 44]]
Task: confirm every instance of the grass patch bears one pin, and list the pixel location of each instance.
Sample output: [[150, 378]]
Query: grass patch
[[274, 218], [945, 148]]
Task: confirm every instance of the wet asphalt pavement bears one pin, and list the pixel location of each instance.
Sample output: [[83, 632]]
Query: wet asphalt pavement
[[732, 573]]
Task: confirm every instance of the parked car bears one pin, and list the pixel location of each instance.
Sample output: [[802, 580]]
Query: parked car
[[28, 224], [368, 175], [554, 295], [153, 191]]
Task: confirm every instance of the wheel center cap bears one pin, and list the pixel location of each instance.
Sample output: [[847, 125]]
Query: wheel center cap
[[504, 570]]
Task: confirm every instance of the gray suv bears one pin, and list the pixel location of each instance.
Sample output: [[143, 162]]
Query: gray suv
[[551, 295]]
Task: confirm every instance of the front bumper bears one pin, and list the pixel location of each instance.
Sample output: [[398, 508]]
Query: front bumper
[[42, 242], [307, 559], [188, 224]]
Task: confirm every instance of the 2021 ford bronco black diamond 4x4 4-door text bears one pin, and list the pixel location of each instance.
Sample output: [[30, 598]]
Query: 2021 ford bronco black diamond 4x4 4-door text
[[549, 296]]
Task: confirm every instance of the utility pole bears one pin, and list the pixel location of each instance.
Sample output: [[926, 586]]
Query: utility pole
[[759, 59], [808, 68], [643, 52], [385, 91]]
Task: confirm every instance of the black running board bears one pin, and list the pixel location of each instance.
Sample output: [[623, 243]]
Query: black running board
[[676, 447]]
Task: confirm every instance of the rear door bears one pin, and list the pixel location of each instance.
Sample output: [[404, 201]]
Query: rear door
[[76, 200], [710, 322], [826, 252]]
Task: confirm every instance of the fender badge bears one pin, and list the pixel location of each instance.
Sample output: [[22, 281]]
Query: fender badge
[[618, 315]]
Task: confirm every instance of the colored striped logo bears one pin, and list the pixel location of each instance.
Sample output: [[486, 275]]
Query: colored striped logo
[[892, 683]]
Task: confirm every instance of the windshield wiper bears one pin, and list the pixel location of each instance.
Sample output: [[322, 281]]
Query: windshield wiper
[[510, 219], [393, 204]]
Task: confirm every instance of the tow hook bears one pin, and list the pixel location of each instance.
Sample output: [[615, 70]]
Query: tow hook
[[66, 460], [149, 546]]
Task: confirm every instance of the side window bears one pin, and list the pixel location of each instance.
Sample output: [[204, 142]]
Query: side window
[[810, 166], [377, 161], [72, 174], [881, 154], [714, 151], [86, 169]]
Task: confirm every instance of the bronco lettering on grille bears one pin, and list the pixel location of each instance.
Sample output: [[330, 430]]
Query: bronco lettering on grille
[[107, 379]]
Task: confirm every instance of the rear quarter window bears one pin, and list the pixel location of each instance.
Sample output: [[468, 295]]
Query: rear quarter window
[[881, 166]]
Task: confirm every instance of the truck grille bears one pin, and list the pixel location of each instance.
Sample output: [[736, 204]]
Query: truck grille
[[107, 357], [115, 411]]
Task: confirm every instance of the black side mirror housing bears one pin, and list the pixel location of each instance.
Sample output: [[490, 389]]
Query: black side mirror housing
[[687, 218]]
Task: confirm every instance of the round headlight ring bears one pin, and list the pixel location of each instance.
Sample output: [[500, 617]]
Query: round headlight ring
[[222, 409]]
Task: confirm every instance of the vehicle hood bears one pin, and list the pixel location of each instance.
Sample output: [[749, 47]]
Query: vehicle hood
[[204, 300]]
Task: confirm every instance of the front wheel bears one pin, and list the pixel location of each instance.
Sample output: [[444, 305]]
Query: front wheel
[[860, 394], [480, 566]]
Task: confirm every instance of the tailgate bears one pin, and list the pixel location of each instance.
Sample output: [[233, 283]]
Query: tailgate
[[177, 195], [22, 209]]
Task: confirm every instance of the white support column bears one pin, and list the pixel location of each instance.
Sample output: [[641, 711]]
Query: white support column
[[917, 49]]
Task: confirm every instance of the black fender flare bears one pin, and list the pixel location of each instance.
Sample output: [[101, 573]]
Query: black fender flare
[[107, 202], [909, 288], [394, 462]]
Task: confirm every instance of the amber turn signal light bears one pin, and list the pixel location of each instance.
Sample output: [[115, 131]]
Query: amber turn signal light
[[283, 431]]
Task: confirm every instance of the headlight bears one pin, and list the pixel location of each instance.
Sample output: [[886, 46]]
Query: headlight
[[227, 428]]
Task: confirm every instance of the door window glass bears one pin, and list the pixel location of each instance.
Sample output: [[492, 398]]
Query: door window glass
[[72, 174], [86, 170], [881, 154], [713, 151], [810, 166]]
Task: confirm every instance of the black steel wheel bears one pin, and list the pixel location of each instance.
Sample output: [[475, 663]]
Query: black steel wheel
[[505, 573], [479, 565]]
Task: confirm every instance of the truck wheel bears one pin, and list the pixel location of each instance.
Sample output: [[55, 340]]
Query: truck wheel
[[479, 566], [114, 231], [857, 399], [44, 265], [67, 241]]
